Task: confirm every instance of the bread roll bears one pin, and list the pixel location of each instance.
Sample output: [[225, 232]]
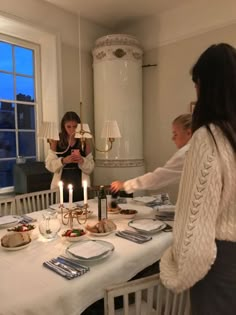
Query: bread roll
[[102, 226], [15, 239]]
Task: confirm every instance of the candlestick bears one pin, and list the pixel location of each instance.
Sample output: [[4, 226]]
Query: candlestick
[[70, 187], [85, 185], [60, 184]]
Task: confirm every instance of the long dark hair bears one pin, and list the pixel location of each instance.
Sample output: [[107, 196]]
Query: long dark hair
[[69, 116], [215, 75]]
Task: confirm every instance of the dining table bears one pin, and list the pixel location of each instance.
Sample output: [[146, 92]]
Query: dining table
[[28, 288]]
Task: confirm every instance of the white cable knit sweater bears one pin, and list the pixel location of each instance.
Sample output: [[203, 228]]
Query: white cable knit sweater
[[205, 210]]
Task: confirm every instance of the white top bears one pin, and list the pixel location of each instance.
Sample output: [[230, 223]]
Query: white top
[[205, 210], [54, 164], [26, 287], [161, 177]]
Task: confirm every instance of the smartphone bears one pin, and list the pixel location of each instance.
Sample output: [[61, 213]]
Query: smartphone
[[75, 151]]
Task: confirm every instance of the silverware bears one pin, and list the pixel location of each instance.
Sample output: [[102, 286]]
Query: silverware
[[73, 263], [58, 270], [133, 236], [71, 270]]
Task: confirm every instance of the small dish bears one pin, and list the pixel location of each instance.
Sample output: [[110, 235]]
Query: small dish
[[128, 213], [17, 247], [70, 235], [113, 210], [23, 228]]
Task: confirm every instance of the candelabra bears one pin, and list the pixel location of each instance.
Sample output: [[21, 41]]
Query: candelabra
[[80, 213]]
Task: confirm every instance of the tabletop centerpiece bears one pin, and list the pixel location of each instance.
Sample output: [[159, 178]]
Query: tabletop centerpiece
[[78, 212]]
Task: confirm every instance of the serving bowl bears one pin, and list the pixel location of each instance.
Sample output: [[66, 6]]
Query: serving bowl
[[128, 213]]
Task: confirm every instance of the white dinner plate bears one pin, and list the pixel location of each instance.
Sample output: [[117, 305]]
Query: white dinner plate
[[144, 199], [109, 248], [57, 206], [16, 248], [8, 221], [147, 226]]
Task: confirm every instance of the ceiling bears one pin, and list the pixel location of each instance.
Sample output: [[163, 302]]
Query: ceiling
[[114, 13]]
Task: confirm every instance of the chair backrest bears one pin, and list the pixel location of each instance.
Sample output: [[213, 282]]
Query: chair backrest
[[149, 297], [7, 206], [36, 201]]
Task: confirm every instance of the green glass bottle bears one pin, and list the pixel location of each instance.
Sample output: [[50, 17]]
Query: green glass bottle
[[102, 204]]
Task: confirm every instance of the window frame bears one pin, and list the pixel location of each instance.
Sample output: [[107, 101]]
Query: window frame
[[49, 81]]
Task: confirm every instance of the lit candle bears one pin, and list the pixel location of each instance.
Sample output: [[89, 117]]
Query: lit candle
[[70, 187], [60, 184], [85, 185]]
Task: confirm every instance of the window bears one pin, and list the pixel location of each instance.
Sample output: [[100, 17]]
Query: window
[[18, 106], [46, 46]]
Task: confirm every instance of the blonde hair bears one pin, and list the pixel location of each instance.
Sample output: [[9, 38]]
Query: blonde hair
[[185, 120]]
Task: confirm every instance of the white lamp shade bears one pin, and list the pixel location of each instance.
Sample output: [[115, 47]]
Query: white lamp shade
[[110, 130], [85, 128], [49, 130]]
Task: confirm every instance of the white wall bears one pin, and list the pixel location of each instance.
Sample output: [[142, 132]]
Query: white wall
[[174, 41]]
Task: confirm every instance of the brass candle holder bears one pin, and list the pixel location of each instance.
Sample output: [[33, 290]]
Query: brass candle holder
[[78, 212]]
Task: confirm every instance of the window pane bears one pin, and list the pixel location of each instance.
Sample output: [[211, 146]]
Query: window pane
[[24, 61], [24, 89], [7, 144], [7, 116], [6, 57], [6, 86], [27, 145], [6, 173], [26, 116]]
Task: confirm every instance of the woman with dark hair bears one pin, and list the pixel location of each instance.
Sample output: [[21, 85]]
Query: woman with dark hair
[[203, 254], [75, 162]]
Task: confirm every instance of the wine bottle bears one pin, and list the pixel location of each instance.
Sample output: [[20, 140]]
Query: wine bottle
[[102, 204]]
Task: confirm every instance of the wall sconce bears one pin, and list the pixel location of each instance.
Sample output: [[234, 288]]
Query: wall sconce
[[110, 132]]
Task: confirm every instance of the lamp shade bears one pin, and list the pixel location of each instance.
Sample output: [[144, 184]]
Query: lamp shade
[[49, 130], [83, 131], [110, 130]]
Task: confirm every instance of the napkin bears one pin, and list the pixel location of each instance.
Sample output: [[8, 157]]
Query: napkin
[[88, 249], [147, 225]]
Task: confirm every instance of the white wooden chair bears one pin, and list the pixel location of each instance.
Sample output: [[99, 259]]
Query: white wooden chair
[[149, 297], [7, 206], [36, 201]]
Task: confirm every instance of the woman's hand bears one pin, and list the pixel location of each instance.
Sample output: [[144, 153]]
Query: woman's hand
[[116, 186], [76, 157]]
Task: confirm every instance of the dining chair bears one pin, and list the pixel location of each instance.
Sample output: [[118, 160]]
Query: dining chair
[[145, 296], [7, 206], [36, 201]]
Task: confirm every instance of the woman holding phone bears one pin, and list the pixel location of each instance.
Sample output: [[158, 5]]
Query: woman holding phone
[[75, 162]]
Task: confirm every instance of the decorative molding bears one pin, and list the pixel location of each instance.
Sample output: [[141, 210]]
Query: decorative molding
[[119, 46], [119, 163], [117, 39]]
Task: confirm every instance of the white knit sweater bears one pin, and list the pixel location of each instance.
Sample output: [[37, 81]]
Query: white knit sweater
[[205, 210]]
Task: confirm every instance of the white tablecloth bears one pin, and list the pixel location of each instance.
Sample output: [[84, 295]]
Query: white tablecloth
[[26, 287]]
